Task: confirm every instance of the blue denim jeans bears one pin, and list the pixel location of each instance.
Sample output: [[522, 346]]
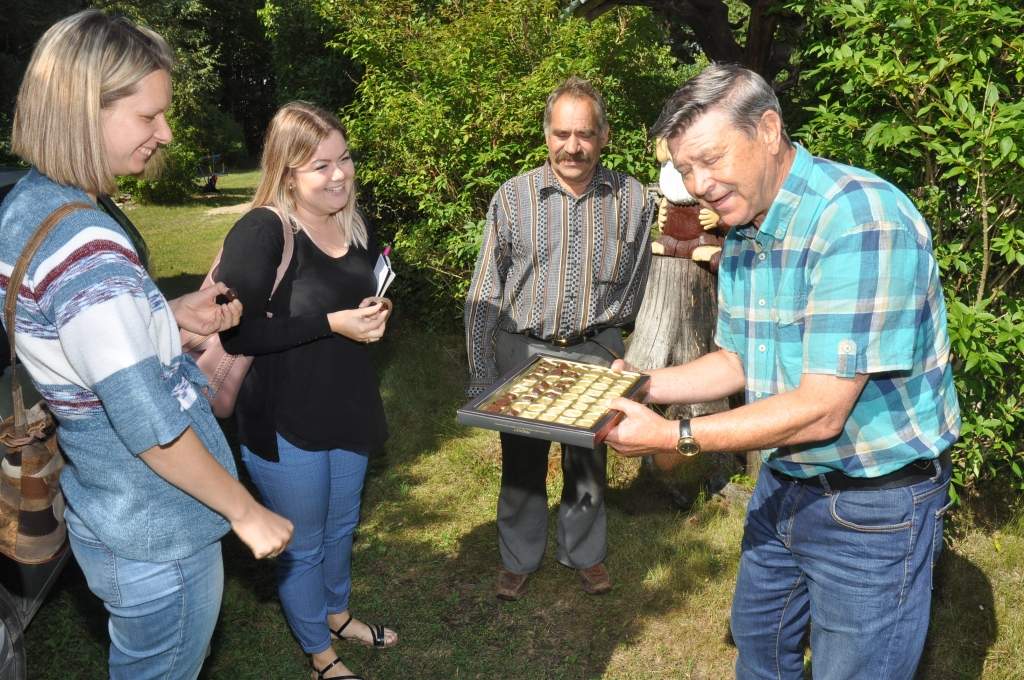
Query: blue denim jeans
[[319, 491], [162, 614], [856, 565]]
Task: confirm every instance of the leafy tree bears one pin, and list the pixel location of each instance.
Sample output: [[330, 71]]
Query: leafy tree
[[929, 95], [303, 49], [24, 21], [760, 34], [248, 87], [184, 24], [450, 105]]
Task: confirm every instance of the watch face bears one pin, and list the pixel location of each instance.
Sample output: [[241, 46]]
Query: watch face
[[687, 447]]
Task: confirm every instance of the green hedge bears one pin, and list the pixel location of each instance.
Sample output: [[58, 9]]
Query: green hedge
[[929, 95]]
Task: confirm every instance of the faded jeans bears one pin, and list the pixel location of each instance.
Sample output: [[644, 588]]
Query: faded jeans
[[856, 565], [162, 614], [320, 492]]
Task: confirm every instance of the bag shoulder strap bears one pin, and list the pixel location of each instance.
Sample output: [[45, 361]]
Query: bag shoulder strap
[[286, 252], [11, 297]]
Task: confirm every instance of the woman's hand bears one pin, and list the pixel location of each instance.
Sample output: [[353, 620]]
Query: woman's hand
[[266, 533], [200, 313], [366, 323]]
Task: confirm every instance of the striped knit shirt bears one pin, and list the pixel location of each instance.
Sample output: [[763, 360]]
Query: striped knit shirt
[[840, 279], [102, 347], [554, 265]]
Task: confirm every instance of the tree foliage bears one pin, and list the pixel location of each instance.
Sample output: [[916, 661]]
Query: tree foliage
[[760, 34], [306, 61], [929, 95], [451, 103], [23, 22]]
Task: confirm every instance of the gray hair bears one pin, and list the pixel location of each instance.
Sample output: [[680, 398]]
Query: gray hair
[[741, 93], [577, 88]]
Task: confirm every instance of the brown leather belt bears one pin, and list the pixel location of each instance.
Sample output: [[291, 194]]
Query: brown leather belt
[[570, 340]]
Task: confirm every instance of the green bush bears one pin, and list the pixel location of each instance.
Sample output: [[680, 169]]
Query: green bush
[[929, 95], [6, 156], [174, 179], [450, 105]]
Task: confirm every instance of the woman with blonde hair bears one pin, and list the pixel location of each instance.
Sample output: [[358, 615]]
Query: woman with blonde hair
[[150, 482], [309, 412]]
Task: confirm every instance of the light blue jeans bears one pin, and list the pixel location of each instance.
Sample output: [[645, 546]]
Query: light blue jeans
[[162, 614], [319, 491], [856, 565]]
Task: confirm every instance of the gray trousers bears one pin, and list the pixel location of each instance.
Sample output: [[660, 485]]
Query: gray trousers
[[523, 499]]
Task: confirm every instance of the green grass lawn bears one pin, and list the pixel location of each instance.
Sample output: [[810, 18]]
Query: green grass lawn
[[426, 554]]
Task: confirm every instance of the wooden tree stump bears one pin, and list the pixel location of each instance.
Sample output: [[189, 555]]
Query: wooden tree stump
[[676, 324]]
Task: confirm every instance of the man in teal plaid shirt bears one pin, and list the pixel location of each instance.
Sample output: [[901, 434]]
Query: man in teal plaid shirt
[[832, 321]]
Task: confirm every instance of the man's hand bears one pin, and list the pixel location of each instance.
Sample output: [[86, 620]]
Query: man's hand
[[621, 365], [641, 431], [200, 313]]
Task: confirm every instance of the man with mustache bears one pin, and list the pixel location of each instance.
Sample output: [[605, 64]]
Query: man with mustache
[[561, 270], [832, 322]]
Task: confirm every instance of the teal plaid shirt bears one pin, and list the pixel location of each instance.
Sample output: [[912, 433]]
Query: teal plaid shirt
[[840, 279]]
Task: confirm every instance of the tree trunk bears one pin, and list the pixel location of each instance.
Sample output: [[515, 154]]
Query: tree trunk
[[676, 324]]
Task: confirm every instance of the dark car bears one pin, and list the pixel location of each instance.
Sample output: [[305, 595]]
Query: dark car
[[24, 587]]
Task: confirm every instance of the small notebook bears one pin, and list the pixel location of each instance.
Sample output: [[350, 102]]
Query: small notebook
[[383, 272]]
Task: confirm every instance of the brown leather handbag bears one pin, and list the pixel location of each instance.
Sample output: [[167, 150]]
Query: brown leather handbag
[[32, 526]]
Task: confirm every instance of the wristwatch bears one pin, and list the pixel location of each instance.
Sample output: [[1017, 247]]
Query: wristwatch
[[687, 445]]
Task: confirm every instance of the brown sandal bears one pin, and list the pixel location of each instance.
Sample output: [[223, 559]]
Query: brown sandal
[[320, 672], [376, 632]]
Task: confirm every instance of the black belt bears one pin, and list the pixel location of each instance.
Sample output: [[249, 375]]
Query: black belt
[[918, 471], [570, 340]]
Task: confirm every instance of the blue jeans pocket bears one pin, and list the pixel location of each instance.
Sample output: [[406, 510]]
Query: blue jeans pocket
[[95, 560], [886, 511]]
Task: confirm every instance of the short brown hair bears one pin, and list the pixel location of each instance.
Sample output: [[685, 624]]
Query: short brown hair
[[295, 132], [82, 64]]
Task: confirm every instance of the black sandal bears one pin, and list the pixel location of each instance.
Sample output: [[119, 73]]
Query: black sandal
[[376, 632], [320, 672]]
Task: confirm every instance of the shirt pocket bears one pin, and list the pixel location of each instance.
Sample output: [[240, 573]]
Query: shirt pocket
[[615, 270], [790, 324]]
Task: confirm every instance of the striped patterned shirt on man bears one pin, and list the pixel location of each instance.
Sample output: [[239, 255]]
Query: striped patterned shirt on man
[[553, 265], [841, 279]]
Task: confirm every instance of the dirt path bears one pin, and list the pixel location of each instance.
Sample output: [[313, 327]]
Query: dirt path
[[229, 209]]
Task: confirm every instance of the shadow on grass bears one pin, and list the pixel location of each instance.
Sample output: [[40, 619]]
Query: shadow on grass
[[222, 198], [963, 623]]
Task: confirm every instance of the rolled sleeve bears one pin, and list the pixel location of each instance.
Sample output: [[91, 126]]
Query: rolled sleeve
[[144, 407], [864, 303]]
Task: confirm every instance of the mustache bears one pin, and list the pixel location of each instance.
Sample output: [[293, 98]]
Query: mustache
[[578, 157]]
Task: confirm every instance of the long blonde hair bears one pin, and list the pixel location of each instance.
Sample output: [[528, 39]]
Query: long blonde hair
[[295, 132], [83, 63]]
